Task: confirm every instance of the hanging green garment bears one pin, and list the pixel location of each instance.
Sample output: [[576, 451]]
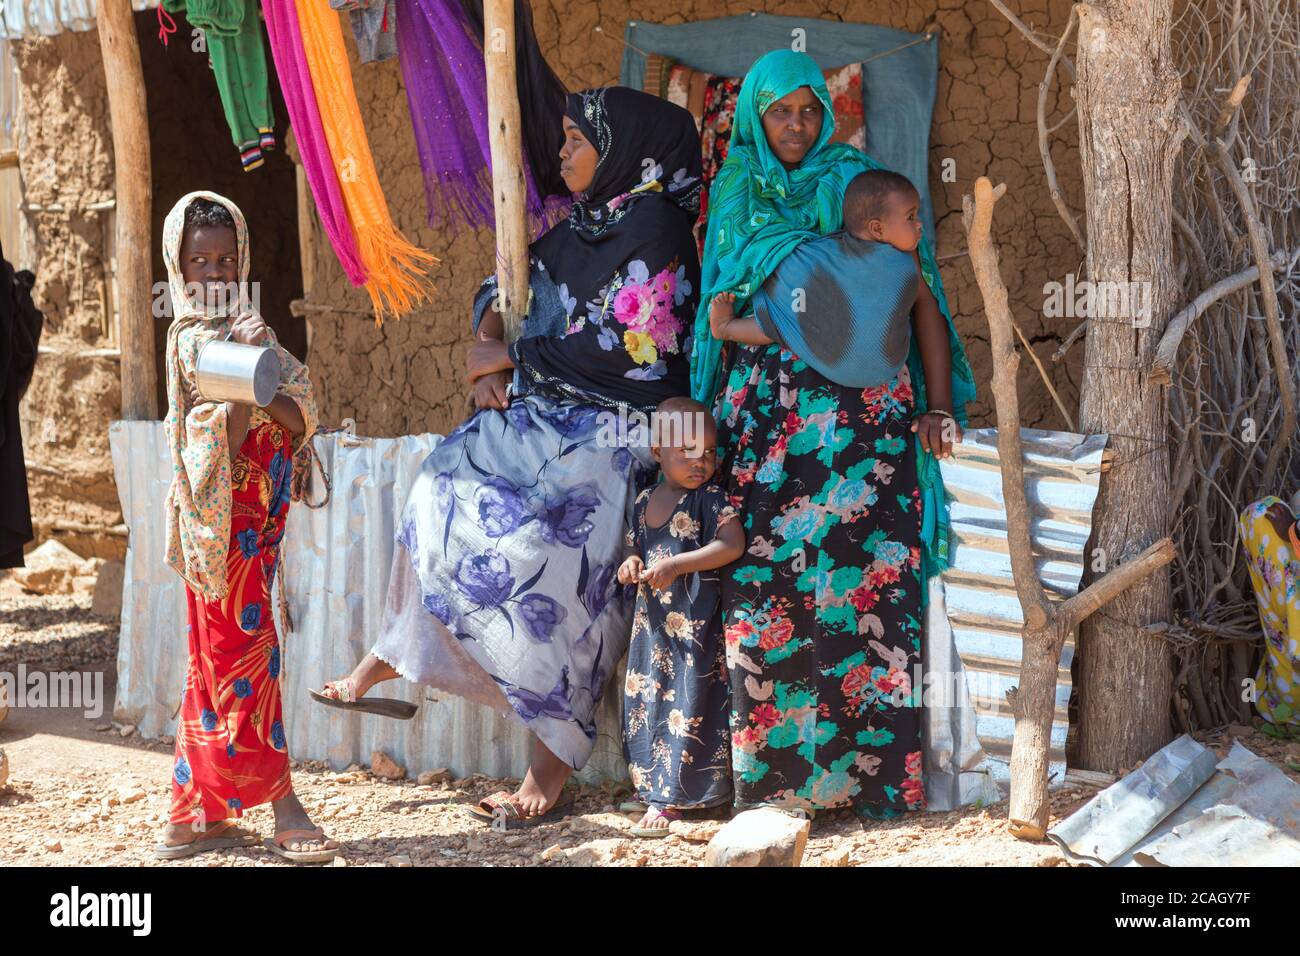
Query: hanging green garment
[[759, 211], [233, 33]]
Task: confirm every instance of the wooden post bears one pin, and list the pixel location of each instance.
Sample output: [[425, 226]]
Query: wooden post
[[134, 191], [1047, 624], [506, 146]]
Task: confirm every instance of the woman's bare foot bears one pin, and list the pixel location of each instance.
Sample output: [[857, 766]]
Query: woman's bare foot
[[542, 784], [290, 815], [367, 674]]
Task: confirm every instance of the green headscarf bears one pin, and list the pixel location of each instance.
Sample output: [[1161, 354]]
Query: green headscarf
[[759, 211]]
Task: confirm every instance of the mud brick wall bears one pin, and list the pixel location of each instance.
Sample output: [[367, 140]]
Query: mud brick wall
[[406, 377], [65, 157]]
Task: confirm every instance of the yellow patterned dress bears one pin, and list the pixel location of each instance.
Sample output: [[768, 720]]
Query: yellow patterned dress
[[1272, 541]]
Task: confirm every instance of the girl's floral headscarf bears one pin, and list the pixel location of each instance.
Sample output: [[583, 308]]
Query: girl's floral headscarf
[[198, 501]]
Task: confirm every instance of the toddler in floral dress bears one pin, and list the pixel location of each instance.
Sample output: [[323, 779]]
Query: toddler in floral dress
[[676, 699]]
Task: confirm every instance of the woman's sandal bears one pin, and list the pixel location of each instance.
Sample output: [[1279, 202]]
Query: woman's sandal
[[654, 833], [346, 699], [232, 839], [276, 845], [503, 806]]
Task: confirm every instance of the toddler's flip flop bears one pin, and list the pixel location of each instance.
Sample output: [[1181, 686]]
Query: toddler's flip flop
[[654, 833]]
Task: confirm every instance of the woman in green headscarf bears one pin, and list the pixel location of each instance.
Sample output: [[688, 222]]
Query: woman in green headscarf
[[845, 513]]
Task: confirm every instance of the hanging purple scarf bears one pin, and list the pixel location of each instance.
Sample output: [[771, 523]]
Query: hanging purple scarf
[[446, 88], [304, 116]]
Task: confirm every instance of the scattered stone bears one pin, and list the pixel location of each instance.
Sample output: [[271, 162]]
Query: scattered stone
[[126, 730], [54, 568], [399, 859], [4, 768], [597, 852], [107, 598], [52, 846], [385, 767], [432, 778], [339, 861], [103, 728], [700, 832], [762, 837], [552, 853], [836, 857], [1240, 730], [129, 794]]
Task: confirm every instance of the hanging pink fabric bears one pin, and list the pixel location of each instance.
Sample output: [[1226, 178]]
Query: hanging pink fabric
[[304, 117]]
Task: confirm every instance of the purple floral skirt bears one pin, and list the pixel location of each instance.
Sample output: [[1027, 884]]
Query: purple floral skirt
[[504, 589]]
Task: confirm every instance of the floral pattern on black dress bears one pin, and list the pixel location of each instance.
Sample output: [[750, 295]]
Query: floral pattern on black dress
[[675, 705], [823, 611]]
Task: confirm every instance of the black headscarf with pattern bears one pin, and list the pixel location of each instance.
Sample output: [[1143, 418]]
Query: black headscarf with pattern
[[625, 260]]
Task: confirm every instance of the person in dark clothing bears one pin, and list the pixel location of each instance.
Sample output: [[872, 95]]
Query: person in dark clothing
[[20, 331]]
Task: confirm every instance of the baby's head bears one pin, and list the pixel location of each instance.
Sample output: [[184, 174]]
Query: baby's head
[[210, 250], [883, 206], [684, 440]]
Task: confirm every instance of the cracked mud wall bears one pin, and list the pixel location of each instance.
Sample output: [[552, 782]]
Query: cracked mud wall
[[406, 377], [65, 157]]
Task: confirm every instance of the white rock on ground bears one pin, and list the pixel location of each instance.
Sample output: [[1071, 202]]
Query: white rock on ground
[[54, 568], [762, 837]]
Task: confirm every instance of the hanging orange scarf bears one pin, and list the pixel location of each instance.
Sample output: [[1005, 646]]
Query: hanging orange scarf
[[396, 279]]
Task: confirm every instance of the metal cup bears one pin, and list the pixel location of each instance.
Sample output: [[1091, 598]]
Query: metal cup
[[233, 372]]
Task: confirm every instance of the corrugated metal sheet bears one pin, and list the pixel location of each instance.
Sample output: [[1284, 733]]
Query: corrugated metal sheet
[[1062, 471], [1184, 807], [336, 561], [24, 19]]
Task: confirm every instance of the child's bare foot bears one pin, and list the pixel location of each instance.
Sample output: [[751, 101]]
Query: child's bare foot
[[180, 834], [657, 819], [290, 815], [721, 312]]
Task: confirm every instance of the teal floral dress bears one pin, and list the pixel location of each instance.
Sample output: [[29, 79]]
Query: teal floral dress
[[822, 614]]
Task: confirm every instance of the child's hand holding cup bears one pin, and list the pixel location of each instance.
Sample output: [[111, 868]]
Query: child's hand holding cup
[[250, 329]]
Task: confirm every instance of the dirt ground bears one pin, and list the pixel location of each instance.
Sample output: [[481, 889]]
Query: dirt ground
[[86, 791]]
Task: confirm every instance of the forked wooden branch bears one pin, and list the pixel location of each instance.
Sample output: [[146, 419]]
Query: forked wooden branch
[[1046, 625]]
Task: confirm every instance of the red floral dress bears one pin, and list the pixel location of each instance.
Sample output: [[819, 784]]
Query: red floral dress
[[230, 744]]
